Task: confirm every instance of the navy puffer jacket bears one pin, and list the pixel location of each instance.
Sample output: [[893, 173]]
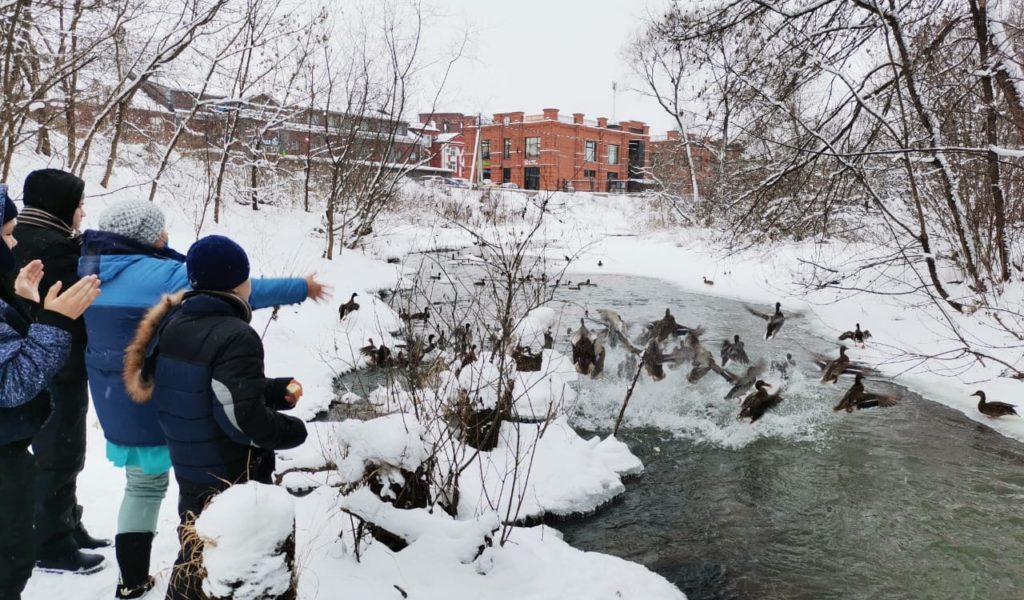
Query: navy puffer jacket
[[201, 364]]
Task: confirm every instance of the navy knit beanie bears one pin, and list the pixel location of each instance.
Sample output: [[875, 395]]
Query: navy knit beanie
[[216, 263], [54, 191], [8, 211]]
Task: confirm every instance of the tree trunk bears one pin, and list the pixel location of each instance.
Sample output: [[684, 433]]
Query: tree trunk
[[980, 17]]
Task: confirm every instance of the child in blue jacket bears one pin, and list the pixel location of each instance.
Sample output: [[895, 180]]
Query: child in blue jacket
[[129, 252], [34, 343]]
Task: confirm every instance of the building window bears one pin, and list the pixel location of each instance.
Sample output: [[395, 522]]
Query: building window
[[444, 127], [613, 154], [485, 150], [532, 148], [531, 177], [506, 175], [590, 154], [590, 173], [486, 173], [506, 149]]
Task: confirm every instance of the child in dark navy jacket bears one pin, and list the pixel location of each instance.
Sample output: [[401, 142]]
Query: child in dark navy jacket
[[34, 344], [197, 359]]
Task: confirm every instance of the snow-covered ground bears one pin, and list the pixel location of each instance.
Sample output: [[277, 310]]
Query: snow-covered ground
[[628, 236], [308, 342]]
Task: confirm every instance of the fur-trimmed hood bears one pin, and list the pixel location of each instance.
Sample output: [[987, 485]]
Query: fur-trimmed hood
[[136, 382]]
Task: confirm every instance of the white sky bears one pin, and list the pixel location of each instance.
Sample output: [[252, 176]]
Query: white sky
[[532, 54]]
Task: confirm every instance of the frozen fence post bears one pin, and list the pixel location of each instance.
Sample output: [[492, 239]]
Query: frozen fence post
[[249, 544]]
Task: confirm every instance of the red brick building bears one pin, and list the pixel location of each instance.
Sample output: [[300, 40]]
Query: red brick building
[[443, 142], [668, 162], [554, 152]]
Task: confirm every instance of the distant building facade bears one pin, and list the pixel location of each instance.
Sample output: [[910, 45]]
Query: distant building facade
[[670, 167], [443, 141], [554, 152]]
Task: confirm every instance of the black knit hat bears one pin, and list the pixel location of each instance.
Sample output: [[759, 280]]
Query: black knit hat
[[57, 192], [216, 263]]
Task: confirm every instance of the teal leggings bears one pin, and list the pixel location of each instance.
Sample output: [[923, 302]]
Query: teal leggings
[[140, 506]]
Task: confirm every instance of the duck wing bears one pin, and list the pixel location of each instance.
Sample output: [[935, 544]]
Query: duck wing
[[850, 398], [757, 313], [870, 400], [759, 409], [739, 354], [847, 335]]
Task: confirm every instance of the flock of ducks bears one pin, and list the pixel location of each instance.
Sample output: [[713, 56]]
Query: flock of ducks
[[589, 350], [650, 354]]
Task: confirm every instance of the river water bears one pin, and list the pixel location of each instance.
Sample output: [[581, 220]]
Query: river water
[[909, 502], [914, 501]]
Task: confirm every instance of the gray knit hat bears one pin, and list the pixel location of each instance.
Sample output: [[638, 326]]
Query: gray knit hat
[[138, 220]]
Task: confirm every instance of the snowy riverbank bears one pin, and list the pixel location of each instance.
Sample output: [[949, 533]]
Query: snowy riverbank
[[626, 236]]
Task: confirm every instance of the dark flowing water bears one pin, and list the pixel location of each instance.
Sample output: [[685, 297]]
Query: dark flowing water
[[914, 501]]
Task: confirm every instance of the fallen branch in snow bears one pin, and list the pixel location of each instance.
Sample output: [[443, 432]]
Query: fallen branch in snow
[[629, 394]]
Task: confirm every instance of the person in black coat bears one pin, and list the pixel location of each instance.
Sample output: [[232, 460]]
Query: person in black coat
[[47, 230], [197, 359], [34, 342]]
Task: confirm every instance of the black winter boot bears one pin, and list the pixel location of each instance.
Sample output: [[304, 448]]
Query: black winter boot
[[78, 562], [133, 550], [86, 541]]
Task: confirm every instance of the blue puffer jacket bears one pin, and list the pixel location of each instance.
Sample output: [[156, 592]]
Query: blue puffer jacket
[[200, 365], [31, 353], [134, 277]]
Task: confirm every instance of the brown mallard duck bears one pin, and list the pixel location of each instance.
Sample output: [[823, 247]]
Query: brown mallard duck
[[348, 308], [734, 351], [468, 358], [419, 316], [994, 410], [775, 321], [379, 356], [857, 398], [759, 402], [856, 335], [664, 327], [742, 383], [584, 354], [835, 368], [653, 360]]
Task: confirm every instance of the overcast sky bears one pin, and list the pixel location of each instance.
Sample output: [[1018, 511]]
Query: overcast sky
[[532, 54]]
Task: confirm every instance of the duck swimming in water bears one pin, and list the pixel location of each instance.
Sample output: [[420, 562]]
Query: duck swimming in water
[[759, 402], [775, 321], [857, 398], [994, 410]]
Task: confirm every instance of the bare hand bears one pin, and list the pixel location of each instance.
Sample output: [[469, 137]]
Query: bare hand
[[293, 392], [73, 302], [27, 283], [317, 291]]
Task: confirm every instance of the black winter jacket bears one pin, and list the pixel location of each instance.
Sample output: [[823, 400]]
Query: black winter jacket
[[59, 254], [202, 366]]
